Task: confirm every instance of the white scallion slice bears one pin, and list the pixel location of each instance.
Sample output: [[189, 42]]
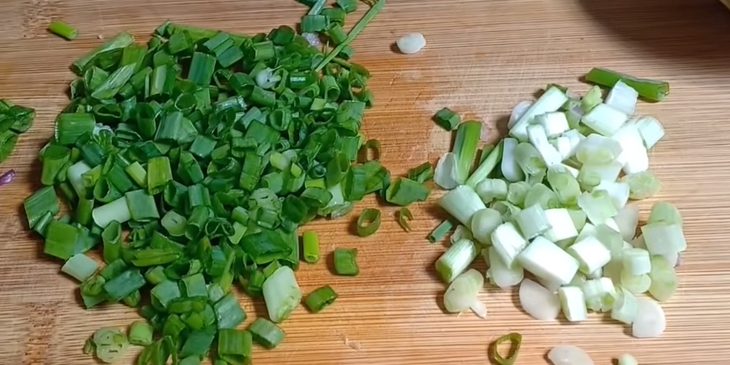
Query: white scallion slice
[[518, 111], [597, 149], [546, 260], [538, 137], [592, 174], [573, 303], [627, 220], [651, 131], [510, 169], [664, 239], [636, 261], [561, 225], [605, 119], [462, 293], [462, 203], [539, 302], [460, 233], [445, 173], [483, 223], [508, 242], [532, 221], [625, 307], [636, 284], [623, 98], [569, 355], [590, 253], [456, 260], [618, 191], [664, 212], [642, 185], [554, 123], [663, 279], [600, 294], [550, 101], [492, 189], [500, 274], [566, 186], [627, 359], [411, 43], [597, 205], [650, 320]]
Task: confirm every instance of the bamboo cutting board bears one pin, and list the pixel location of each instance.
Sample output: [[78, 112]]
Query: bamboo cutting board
[[482, 57]]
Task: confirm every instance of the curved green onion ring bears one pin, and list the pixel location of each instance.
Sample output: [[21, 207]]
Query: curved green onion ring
[[405, 216], [368, 222], [371, 144], [515, 339]]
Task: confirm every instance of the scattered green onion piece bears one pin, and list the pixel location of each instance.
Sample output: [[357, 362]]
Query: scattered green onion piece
[[310, 246], [370, 145], [515, 340], [441, 231], [110, 344], [421, 173], [651, 90], [462, 203], [447, 119], [41, 202], [266, 333], [486, 167], [465, 148], [320, 298], [405, 191], [235, 346], [368, 222], [346, 262], [404, 217]]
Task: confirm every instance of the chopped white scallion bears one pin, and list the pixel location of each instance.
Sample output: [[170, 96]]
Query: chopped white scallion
[[636, 284], [492, 189], [411, 43], [551, 100], [627, 221], [445, 173], [462, 294], [546, 260], [460, 233], [561, 225], [663, 279], [532, 221], [605, 119], [618, 191], [538, 138], [650, 320], [636, 261], [569, 355], [573, 303], [597, 149], [651, 131], [483, 223], [663, 239], [539, 302], [627, 359], [597, 205], [456, 260], [622, 97], [500, 274], [590, 253], [554, 123], [510, 168], [625, 307], [664, 212], [508, 242], [600, 294], [462, 202], [518, 111]]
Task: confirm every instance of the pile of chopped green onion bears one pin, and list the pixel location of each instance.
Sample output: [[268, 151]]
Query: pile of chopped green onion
[[191, 162], [14, 120], [551, 201]]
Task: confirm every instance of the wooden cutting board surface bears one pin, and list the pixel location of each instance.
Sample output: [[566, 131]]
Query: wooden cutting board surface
[[483, 56]]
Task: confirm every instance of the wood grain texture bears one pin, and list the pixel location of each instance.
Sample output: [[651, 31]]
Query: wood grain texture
[[482, 57]]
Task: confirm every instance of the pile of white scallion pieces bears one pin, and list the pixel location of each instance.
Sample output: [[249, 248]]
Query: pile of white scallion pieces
[[552, 200]]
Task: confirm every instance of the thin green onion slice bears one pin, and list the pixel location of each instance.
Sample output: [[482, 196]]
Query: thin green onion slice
[[110, 344], [310, 246], [266, 333], [447, 119], [515, 341], [320, 298], [368, 222], [140, 333], [404, 217], [441, 231], [346, 262], [371, 145]]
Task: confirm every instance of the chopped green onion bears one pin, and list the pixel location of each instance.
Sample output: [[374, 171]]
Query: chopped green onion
[[41, 202], [462, 294], [368, 222], [456, 260], [345, 260], [441, 231], [118, 211], [421, 173], [405, 191], [354, 32], [547, 261], [625, 307], [515, 340], [486, 167], [140, 333], [550, 101], [235, 346], [310, 246], [462, 203], [281, 293], [532, 221], [447, 119], [663, 279], [266, 333], [465, 148], [80, 266], [109, 344], [404, 217], [320, 298], [651, 90], [508, 242]]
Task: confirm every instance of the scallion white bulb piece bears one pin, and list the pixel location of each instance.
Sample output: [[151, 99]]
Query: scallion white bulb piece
[[411, 43], [539, 302], [462, 293], [569, 355]]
